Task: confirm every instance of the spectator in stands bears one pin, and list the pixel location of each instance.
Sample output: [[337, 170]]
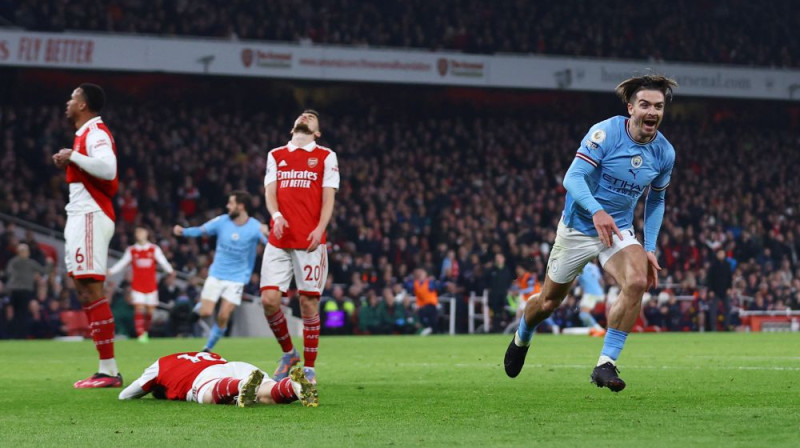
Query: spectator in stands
[[373, 317], [498, 281], [720, 279], [426, 290], [22, 272]]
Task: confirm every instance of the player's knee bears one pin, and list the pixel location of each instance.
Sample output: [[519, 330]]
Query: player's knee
[[549, 305], [636, 285], [270, 302]]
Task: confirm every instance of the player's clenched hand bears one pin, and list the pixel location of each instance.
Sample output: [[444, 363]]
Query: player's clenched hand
[[606, 228], [61, 158], [278, 224], [177, 230], [652, 270], [315, 238]]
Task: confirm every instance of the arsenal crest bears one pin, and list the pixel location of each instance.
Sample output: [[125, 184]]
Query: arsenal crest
[[442, 66], [312, 162], [247, 57]]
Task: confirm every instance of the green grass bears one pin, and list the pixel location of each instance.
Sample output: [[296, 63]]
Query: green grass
[[732, 390]]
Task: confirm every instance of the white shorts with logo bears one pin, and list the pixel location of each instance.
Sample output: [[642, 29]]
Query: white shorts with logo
[[86, 244], [309, 269], [573, 249], [215, 288], [144, 298], [206, 378]]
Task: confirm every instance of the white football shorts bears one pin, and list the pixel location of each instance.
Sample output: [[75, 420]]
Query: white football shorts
[[309, 269], [215, 288], [209, 377], [573, 249], [86, 244], [142, 298]]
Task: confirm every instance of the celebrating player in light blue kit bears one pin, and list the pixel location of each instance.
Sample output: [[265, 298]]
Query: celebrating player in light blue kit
[[238, 236], [616, 163]]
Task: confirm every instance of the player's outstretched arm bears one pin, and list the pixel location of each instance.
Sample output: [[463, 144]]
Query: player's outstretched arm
[[133, 391]]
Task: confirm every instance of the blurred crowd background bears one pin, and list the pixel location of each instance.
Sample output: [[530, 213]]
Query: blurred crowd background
[[706, 31]]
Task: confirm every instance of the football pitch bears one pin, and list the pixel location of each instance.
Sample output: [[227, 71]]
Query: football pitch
[[732, 390]]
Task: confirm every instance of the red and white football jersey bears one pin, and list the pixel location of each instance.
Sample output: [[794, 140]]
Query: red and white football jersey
[[176, 373], [88, 193], [301, 173], [143, 259]]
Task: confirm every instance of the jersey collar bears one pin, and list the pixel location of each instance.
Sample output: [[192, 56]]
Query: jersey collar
[[630, 137], [86, 125], [309, 147]]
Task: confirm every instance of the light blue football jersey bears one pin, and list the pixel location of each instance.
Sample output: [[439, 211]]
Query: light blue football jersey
[[235, 254], [623, 169], [590, 280]]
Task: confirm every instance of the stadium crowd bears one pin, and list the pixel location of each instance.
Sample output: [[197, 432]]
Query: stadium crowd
[[463, 199], [714, 31]]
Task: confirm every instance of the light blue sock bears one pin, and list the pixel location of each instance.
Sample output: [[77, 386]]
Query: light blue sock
[[524, 333], [214, 335], [613, 343], [587, 319]]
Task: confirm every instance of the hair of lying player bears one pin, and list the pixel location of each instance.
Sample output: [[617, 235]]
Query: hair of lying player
[[242, 197], [626, 90], [94, 96]]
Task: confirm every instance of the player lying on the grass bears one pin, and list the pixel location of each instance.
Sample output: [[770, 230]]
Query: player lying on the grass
[[207, 378]]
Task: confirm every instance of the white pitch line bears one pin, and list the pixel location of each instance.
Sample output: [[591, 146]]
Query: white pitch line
[[588, 366]]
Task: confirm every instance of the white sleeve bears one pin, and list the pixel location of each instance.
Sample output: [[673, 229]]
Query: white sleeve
[[331, 178], [101, 161], [122, 263], [137, 388], [162, 260], [272, 170]]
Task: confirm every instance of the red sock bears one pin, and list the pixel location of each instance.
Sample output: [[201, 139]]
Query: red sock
[[283, 392], [281, 330], [139, 322], [147, 319], [310, 339], [101, 326], [225, 389]]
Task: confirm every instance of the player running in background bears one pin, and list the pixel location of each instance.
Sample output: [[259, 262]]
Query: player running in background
[[618, 160], [591, 283], [238, 236], [91, 166], [207, 378], [301, 182], [143, 256]]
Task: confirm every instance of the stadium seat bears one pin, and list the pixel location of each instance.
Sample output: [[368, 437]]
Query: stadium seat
[[76, 322]]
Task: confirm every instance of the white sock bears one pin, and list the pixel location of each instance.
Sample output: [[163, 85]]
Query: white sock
[[519, 342], [108, 367], [604, 359]]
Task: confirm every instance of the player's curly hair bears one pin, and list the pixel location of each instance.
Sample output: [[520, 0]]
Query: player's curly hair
[[626, 90], [94, 96]]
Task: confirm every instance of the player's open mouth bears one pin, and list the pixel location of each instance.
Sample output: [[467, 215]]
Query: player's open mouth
[[650, 123]]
